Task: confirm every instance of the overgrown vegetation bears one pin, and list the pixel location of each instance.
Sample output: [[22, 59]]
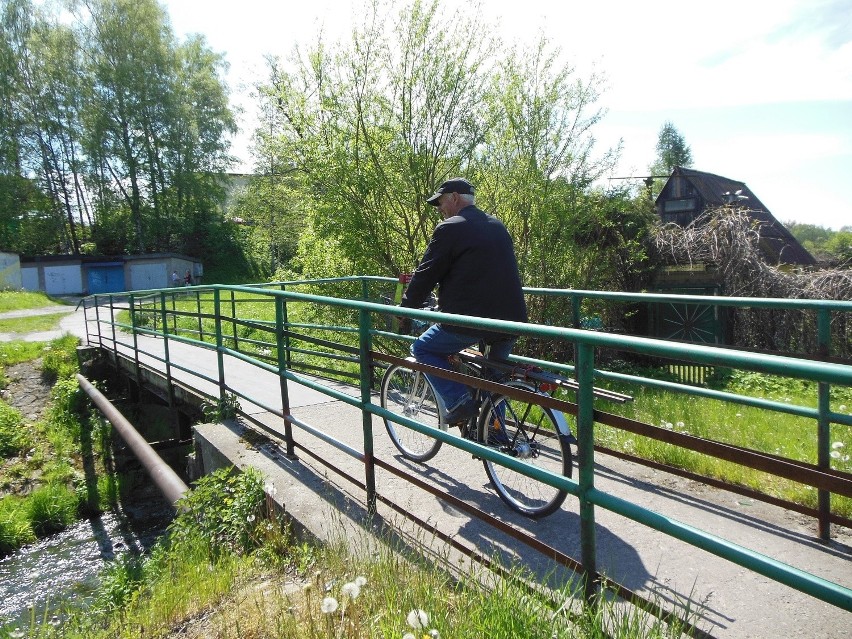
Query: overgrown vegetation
[[728, 240], [228, 567], [44, 485]]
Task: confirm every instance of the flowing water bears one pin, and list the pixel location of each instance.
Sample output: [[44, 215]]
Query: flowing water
[[62, 570]]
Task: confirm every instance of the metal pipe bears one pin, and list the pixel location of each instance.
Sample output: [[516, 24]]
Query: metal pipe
[[164, 477]]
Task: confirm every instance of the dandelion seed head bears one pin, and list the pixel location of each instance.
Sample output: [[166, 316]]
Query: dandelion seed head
[[739, 414], [250, 518], [351, 590], [329, 605], [680, 424], [407, 635], [361, 581], [270, 489], [417, 619], [835, 454], [841, 407], [837, 445], [434, 634]]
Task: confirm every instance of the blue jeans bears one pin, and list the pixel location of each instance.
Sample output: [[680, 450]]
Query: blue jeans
[[435, 345]]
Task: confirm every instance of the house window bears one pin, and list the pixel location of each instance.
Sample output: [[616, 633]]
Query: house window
[[673, 206]]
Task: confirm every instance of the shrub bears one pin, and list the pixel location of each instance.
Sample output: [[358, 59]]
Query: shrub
[[225, 509]]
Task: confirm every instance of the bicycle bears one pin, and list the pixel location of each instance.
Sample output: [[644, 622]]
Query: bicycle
[[539, 435]]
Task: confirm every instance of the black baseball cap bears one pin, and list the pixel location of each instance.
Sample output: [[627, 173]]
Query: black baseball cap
[[454, 185]]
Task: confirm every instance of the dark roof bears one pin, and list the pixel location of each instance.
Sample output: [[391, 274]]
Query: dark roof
[[777, 243]]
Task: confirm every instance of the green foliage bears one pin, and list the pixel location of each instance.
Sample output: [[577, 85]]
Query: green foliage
[[52, 508], [23, 300], [15, 527], [823, 243], [105, 111], [225, 509], [672, 151], [14, 438], [60, 359], [366, 136], [224, 409]]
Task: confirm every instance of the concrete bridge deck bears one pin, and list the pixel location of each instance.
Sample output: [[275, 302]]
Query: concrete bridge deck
[[733, 602]]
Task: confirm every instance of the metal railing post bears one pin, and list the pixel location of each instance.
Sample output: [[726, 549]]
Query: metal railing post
[[198, 312], [586, 462], [366, 365], [97, 322], [286, 328], [166, 350], [280, 315], [220, 357], [234, 319], [824, 424], [112, 323], [135, 343]]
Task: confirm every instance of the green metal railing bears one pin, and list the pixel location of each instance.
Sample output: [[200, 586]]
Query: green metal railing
[[229, 331]]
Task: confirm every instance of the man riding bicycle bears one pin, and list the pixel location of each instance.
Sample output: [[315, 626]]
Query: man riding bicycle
[[470, 258]]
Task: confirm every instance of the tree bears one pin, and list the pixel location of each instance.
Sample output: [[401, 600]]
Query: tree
[[672, 151], [371, 127], [156, 125], [45, 109]]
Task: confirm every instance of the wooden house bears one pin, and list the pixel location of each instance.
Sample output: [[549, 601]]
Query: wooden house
[[689, 193], [686, 195]]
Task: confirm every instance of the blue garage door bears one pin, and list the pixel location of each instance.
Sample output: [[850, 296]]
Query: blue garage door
[[106, 278]]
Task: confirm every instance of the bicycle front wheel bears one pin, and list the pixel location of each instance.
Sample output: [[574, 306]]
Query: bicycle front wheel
[[408, 393], [528, 432]]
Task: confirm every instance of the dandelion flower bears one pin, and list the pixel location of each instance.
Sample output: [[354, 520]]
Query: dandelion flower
[[361, 581], [417, 619], [841, 407], [329, 605], [351, 590], [835, 454], [434, 634], [837, 445], [739, 414], [680, 424], [271, 490], [250, 518]]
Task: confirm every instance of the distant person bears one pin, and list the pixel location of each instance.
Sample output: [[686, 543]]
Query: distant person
[[187, 279], [175, 279], [471, 260]]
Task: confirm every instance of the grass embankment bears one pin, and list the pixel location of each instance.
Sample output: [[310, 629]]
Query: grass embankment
[[24, 300], [51, 470], [227, 569], [762, 430]]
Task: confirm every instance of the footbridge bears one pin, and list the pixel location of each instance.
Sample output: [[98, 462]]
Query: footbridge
[[679, 502]]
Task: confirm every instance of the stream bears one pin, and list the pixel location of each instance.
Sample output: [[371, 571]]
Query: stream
[[61, 571]]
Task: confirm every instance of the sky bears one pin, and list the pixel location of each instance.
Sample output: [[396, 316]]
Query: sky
[[761, 92]]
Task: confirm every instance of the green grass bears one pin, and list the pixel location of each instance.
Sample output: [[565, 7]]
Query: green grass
[[765, 431], [43, 464], [241, 576], [22, 300], [31, 324]]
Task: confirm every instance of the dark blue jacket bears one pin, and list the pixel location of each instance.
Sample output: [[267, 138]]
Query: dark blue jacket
[[471, 260]]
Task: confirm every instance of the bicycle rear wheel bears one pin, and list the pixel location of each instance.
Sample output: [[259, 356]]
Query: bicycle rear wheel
[[529, 433], [408, 393]]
